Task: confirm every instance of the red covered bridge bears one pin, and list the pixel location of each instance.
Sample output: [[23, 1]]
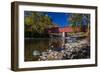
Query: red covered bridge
[[65, 29], [56, 30]]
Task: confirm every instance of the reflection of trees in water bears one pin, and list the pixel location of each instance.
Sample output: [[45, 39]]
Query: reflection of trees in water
[[32, 45], [40, 44]]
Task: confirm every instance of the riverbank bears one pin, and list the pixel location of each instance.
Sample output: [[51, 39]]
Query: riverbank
[[76, 50]]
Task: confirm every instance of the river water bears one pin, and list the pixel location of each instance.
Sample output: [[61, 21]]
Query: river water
[[35, 46], [39, 44]]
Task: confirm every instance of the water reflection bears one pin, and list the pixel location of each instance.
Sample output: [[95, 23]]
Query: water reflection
[[35, 46]]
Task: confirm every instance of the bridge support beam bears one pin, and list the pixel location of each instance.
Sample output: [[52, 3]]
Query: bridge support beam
[[63, 39]]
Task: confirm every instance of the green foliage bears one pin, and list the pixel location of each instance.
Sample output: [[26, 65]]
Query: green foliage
[[37, 22], [74, 19], [28, 20], [77, 20]]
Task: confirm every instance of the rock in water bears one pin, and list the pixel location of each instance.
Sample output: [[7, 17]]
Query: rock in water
[[36, 53]]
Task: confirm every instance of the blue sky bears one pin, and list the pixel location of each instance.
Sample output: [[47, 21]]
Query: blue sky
[[61, 19]]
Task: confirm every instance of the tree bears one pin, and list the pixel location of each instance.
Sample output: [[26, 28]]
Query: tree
[[37, 22], [79, 20]]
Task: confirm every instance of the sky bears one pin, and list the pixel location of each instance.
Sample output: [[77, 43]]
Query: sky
[[61, 19]]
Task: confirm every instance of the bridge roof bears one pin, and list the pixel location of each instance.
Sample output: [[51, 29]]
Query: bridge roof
[[64, 29]]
